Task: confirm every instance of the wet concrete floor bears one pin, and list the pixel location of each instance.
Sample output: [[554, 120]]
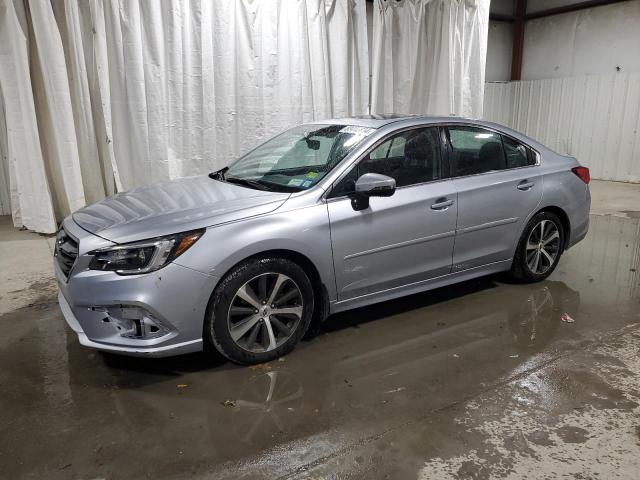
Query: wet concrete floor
[[479, 380]]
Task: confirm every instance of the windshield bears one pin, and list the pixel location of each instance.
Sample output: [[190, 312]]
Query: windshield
[[296, 159]]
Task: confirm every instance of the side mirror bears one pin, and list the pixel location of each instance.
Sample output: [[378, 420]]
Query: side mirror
[[371, 185]]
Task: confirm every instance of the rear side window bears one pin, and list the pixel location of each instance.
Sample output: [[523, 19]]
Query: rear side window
[[475, 150], [518, 155]]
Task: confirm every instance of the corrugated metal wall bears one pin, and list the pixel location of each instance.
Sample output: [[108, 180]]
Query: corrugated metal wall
[[595, 118]]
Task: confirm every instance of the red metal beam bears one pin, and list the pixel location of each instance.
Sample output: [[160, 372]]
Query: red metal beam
[[570, 8], [499, 17], [518, 40]]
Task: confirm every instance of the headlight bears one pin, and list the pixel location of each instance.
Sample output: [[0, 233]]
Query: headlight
[[145, 256]]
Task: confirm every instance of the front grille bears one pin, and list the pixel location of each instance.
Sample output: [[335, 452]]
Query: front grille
[[66, 251]]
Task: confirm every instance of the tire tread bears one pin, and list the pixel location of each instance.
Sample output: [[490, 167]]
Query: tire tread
[[215, 333], [519, 268]]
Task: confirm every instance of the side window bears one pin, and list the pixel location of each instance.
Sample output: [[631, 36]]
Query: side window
[[409, 157], [394, 147], [347, 185], [475, 150], [397, 147], [518, 155]]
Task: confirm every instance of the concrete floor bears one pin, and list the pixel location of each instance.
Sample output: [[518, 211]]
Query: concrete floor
[[615, 198], [479, 380]]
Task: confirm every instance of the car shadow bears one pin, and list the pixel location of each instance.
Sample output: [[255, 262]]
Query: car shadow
[[169, 366], [356, 317], [210, 359]]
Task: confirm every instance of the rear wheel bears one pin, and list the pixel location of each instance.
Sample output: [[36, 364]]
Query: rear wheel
[[539, 248], [260, 310]]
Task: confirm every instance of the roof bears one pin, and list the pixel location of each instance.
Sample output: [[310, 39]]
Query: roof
[[380, 120], [371, 121]]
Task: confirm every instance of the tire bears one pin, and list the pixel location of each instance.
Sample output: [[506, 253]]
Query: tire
[[523, 268], [261, 332]]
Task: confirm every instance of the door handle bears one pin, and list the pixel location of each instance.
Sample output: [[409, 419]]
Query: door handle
[[525, 185], [442, 204]]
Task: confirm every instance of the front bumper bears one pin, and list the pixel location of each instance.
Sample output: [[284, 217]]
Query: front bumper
[[162, 351], [176, 296]]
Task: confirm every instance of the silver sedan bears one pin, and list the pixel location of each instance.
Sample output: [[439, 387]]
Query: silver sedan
[[322, 218]]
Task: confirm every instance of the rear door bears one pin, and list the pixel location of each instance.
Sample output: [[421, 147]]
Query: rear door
[[499, 184], [402, 239]]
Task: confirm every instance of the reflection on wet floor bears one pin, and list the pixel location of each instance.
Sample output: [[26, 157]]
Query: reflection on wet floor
[[369, 375]]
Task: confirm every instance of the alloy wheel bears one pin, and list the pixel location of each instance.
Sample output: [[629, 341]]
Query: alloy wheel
[[543, 246], [265, 312]]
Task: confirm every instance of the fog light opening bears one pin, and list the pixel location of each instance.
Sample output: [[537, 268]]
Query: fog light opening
[[133, 322]]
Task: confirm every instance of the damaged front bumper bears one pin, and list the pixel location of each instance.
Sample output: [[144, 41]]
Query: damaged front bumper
[[154, 314], [140, 351]]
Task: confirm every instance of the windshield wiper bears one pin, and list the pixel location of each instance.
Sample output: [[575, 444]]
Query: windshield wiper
[[219, 174], [248, 183]]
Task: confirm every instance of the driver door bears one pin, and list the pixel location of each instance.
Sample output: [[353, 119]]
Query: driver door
[[402, 239]]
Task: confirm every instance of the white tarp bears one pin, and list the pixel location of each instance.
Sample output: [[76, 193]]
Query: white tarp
[[104, 95], [5, 202], [31, 204], [127, 93], [428, 56]]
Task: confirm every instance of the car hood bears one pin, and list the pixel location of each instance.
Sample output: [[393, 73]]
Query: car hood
[[175, 206]]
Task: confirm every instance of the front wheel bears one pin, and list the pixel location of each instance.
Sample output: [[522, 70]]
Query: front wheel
[[260, 310], [539, 248]]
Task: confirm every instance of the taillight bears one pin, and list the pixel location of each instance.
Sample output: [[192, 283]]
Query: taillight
[[582, 173]]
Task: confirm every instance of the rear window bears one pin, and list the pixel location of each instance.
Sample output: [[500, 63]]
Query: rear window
[[518, 154], [475, 150]]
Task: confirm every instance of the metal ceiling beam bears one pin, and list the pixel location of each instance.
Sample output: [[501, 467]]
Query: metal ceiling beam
[[518, 39], [499, 17], [570, 8]]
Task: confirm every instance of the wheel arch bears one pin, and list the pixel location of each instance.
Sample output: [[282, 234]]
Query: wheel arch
[[559, 212], [564, 218], [320, 291]]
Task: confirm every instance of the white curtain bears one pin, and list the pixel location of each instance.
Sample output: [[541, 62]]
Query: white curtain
[[29, 191], [99, 96], [428, 56], [5, 202], [103, 95]]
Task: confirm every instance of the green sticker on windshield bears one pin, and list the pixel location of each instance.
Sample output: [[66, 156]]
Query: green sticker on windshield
[[312, 175]]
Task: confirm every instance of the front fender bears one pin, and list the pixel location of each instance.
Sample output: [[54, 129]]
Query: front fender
[[304, 231]]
